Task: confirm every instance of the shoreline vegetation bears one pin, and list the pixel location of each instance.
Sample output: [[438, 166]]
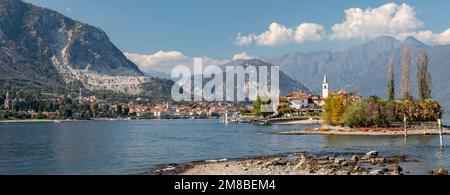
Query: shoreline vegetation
[[370, 163]]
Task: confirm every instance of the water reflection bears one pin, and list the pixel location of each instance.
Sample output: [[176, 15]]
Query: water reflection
[[126, 147]]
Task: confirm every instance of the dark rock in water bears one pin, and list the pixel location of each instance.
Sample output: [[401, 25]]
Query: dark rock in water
[[438, 172], [395, 169]]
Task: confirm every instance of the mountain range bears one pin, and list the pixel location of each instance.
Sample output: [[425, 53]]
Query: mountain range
[[42, 50]]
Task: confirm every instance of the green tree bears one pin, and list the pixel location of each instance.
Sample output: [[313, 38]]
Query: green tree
[[333, 110], [423, 77], [119, 110], [126, 111], [406, 66], [257, 106], [356, 115], [391, 80]]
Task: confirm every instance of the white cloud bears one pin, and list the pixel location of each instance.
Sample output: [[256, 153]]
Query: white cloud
[[276, 35], [69, 9], [165, 61], [389, 19], [244, 40], [309, 32], [429, 37], [243, 56], [156, 60]]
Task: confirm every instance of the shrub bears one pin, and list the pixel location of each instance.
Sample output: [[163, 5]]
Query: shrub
[[375, 112]]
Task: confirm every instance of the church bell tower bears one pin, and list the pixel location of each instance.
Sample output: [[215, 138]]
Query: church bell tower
[[325, 88]]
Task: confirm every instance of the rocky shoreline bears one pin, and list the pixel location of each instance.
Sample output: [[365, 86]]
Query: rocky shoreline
[[299, 164]]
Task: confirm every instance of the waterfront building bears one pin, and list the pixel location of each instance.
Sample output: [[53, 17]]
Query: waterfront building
[[299, 100]]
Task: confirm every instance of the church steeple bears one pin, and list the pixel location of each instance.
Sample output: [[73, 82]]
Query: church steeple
[[325, 87], [7, 103]]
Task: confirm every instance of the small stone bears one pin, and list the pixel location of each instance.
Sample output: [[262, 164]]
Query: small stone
[[372, 154], [343, 172], [339, 161], [442, 172], [323, 162], [375, 161], [355, 158], [275, 162], [344, 164], [395, 169], [358, 169], [376, 172], [352, 163], [323, 158]]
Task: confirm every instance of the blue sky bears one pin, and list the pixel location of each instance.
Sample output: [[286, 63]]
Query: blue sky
[[210, 28]]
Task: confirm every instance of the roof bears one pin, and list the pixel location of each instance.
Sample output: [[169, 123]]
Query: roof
[[298, 96]]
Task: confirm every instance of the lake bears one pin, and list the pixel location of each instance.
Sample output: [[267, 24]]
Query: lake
[[135, 147]]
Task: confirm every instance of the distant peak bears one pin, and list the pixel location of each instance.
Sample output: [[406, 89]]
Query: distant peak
[[386, 38], [413, 42]]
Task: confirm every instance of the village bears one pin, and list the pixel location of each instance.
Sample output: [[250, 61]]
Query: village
[[297, 105]]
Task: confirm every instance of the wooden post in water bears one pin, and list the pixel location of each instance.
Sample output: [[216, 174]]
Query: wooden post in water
[[405, 125], [440, 132], [226, 118]]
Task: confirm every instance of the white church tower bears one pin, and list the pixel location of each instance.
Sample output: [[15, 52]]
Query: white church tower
[[325, 88]]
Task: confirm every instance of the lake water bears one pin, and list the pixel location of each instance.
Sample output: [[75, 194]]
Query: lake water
[[133, 147]]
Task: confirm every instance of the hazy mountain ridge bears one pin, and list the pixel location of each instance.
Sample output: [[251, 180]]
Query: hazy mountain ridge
[[287, 84]]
